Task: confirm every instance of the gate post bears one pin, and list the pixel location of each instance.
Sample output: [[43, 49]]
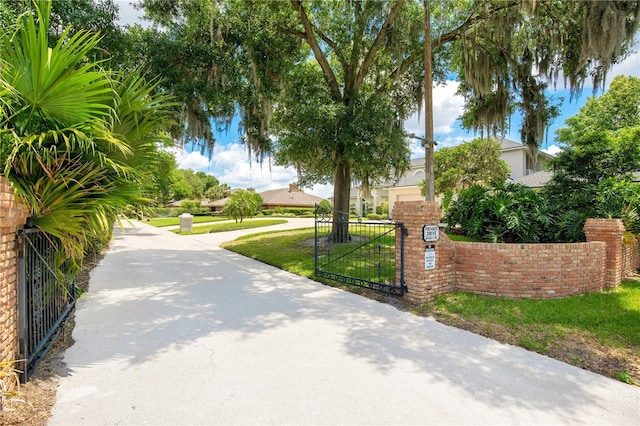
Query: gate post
[[12, 217], [424, 281], [611, 232]]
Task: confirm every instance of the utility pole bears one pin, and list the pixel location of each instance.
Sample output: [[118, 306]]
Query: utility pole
[[428, 142]]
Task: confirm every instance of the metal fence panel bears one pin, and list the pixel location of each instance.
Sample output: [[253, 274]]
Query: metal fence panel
[[46, 296], [371, 254]]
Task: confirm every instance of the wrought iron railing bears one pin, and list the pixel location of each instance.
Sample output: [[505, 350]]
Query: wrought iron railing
[[364, 253], [46, 296]]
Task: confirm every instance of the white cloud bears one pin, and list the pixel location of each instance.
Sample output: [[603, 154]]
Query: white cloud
[[324, 191], [191, 160], [630, 66], [129, 15], [231, 165], [447, 107], [552, 149]]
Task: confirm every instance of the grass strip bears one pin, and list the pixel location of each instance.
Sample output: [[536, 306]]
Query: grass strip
[[610, 316], [231, 226], [288, 250], [175, 221]]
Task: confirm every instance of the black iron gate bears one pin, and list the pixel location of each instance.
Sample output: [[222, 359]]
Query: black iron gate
[[46, 296], [364, 253]]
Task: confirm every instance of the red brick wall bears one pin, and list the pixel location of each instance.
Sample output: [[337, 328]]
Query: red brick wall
[[512, 270], [530, 270], [12, 217], [630, 256]]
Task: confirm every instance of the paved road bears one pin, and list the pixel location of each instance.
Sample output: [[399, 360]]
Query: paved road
[[176, 331]]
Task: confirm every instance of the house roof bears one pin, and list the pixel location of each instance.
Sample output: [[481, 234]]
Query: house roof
[[281, 197], [540, 179], [410, 178], [535, 180], [285, 197]]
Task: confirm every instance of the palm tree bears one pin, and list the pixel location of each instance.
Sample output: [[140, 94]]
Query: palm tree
[[71, 133]]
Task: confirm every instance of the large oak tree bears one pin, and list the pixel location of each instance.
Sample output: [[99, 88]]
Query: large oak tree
[[339, 77]]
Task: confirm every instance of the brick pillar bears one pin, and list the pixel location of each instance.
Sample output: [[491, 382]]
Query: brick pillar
[[423, 284], [12, 217], [611, 232]]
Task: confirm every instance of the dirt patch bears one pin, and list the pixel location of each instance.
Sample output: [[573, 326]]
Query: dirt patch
[[36, 398]]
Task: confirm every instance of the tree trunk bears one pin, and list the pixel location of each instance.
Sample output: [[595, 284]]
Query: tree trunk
[[341, 193]]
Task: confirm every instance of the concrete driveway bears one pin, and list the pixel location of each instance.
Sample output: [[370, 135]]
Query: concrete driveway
[[176, 331]]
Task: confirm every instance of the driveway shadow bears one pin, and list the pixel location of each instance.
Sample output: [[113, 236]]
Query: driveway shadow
[[151, 297]]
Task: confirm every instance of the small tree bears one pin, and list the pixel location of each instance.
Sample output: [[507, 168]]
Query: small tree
[[242, 204], [472, 163], [324, 207]]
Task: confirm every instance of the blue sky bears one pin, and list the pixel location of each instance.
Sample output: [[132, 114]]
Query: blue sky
[[230, 161]]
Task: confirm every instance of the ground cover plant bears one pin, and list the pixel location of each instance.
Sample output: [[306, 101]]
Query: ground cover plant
[[175, 221], [598, 331], [231, 226]]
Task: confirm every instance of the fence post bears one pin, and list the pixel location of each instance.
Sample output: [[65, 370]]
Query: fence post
[[13, 216], [611, 232], [423, 283]]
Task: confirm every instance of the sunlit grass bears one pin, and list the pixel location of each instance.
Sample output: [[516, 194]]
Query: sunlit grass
[[175, 221], [231, 226], [283, 249], [612, 317]]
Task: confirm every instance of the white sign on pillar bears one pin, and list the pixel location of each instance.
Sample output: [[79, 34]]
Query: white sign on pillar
[[430, 257], [430, 233]]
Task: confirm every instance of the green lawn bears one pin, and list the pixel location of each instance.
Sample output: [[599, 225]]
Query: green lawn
[[175, 221], [463, 238], [612, 317], [283, 249], [231, 226]]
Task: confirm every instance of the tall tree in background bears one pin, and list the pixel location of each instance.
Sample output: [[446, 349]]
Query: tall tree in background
[[471, 163], [512, 50], [342, 76], [601, 148]]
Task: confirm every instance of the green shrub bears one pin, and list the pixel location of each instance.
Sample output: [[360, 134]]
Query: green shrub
[[383, 209], [504, 213], [374, 216], [280, 211], [515, 213], [324, 207]]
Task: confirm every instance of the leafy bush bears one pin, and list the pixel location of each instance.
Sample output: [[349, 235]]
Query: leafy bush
[[324, 207], [383, 209], [374, 216], [280, 211], [242, 204], [516, 213], [505, 213]]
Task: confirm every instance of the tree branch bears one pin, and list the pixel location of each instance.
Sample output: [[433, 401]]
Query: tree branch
[[388, 23], [454, 34], [334, 46], [327, 72]]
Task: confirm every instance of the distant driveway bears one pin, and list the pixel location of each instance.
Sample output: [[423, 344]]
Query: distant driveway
[[175, 330]]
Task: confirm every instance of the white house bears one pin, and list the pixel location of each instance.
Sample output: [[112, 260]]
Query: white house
[[407, 187]]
